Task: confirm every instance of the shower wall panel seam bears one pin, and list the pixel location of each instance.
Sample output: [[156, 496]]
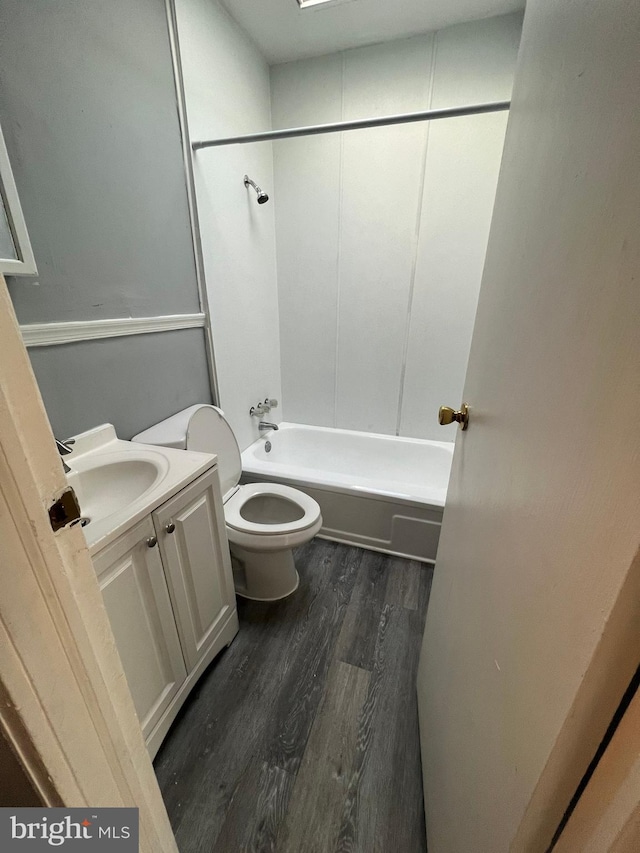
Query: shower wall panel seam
[[339, 252], [414, 261]]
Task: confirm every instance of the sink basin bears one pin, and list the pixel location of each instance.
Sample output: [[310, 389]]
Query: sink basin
[[106, 487]]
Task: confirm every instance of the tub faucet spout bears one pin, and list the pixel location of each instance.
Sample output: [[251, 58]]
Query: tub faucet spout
[[263, 426]]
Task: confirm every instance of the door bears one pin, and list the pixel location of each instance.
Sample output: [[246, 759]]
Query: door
[[66, 707], [533, 628], [195, 552], [136, 598]]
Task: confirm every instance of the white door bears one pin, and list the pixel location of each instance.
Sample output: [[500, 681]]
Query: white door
[[136, 598], [66, 707], [533, 629], [195, 552]]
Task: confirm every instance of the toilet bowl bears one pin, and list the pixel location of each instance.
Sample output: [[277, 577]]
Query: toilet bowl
[[265, 521]]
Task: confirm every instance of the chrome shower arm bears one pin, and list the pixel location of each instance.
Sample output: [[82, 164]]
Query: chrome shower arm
[[262, 196]]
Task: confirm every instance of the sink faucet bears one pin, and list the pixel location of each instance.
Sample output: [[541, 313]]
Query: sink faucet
[[64, 448], [263, 426]]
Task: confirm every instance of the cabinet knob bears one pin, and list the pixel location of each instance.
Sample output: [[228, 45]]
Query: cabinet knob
[[152, 542], [170, 527]]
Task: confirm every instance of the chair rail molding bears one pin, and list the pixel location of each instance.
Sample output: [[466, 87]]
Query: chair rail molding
[[52, 334]]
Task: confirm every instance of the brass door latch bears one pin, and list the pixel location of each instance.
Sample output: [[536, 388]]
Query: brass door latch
[[447, 415]]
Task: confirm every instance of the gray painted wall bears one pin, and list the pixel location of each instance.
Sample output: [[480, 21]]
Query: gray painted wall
[[144, 379], [88, 110]]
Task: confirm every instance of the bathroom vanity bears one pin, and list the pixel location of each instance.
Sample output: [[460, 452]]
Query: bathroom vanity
[[159, 547]]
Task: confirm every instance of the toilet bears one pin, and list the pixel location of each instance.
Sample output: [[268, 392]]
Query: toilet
[[265, 521]]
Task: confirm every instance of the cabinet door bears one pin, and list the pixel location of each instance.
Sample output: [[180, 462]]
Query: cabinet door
[[136, 597], [195, 553]]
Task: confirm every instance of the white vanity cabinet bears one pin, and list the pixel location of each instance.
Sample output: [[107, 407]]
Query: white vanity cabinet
[[136, 597], [168, 589], [193, 543]]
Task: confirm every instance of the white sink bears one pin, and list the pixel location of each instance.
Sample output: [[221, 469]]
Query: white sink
[[104, 487], [119, 482]]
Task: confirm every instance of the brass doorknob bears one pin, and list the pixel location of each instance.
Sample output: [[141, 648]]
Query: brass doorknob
[[447, 415]]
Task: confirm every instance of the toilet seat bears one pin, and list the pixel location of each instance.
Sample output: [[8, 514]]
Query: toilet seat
[[234, 505], [264, 568]]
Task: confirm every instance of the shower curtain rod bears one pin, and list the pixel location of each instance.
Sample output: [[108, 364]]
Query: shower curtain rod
[[357, 124]]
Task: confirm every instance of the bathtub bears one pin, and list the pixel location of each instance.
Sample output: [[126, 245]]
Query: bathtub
[[375, 491]]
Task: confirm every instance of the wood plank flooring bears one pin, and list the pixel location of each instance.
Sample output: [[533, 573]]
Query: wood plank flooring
[[302, 737]]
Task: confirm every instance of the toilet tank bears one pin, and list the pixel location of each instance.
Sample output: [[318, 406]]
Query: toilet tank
[[172, 432], [203, 428]]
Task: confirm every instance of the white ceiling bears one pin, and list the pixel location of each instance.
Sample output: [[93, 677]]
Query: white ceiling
[[284, 32]]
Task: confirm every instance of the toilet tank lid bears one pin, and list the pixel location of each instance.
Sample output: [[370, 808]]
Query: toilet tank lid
[[171, 432]]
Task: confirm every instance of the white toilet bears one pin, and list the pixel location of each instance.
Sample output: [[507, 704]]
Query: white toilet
[[265, 521]]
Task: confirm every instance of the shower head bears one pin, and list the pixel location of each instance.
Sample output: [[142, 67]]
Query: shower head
[[262, 196]]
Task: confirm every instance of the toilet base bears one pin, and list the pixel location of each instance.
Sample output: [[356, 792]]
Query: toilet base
[[264, 576]]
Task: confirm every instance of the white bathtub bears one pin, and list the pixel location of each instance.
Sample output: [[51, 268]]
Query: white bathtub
[[375, 491]]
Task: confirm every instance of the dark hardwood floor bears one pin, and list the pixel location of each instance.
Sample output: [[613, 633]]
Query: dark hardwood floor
[[302, 737]]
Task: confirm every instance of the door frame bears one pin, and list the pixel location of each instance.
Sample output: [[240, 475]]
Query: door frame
[[603, 686], [607, 814], [66, 707]]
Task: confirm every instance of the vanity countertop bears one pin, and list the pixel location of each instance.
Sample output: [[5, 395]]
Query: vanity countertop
[[120, 482]]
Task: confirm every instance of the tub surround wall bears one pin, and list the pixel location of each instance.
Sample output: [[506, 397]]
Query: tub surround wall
[[381, 233], [474, 63], [227, 92], [88, 110]]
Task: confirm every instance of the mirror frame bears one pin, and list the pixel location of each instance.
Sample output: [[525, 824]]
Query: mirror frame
[[25, 264]]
